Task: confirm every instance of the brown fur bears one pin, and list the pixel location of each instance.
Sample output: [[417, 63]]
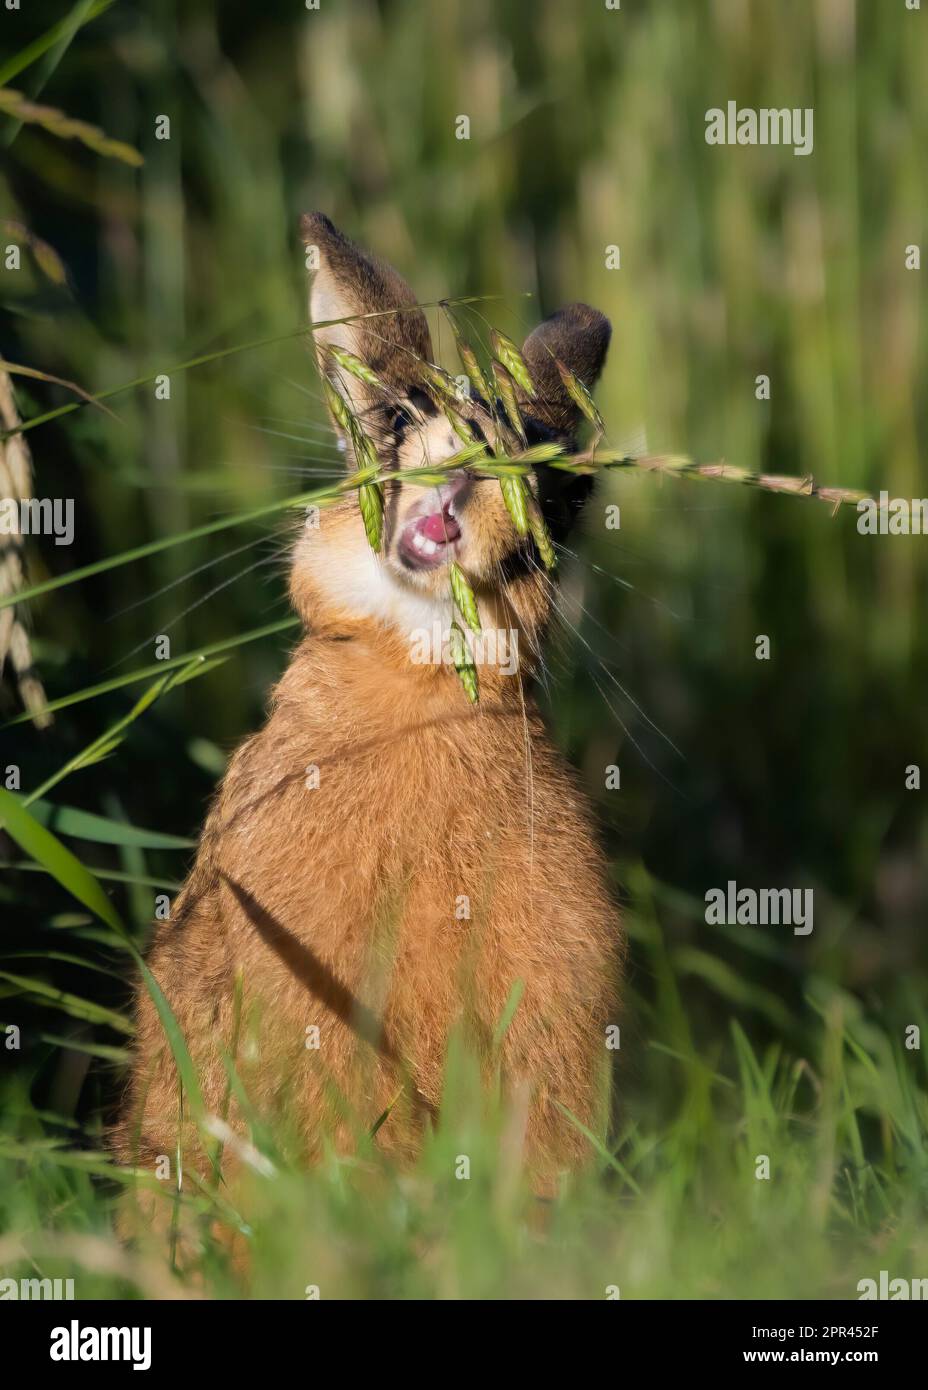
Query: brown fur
[[338, 904]]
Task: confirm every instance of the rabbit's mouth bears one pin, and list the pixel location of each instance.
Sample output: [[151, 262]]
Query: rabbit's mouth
[[429, 541], [430, 538]]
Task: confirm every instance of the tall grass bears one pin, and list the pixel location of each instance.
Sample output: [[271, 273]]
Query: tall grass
[[586, 132]]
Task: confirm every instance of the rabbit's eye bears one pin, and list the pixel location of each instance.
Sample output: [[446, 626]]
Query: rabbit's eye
[[417, 407], [399, 419]]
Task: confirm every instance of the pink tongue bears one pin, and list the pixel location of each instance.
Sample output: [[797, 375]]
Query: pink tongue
[[440, 527]]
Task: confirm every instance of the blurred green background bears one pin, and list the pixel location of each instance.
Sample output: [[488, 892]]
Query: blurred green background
[[587, 131]]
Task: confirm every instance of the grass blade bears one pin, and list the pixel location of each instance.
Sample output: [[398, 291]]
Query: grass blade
[[146, 672], [62, 32], [204, 358], [100, 830], [41, 845], [71, 1004]]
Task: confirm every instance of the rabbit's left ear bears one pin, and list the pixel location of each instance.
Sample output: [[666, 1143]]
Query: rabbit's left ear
[[579, 337], [348, 281]]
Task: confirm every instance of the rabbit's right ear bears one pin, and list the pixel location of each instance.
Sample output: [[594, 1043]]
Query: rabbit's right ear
[[348, 281], [577, 336]]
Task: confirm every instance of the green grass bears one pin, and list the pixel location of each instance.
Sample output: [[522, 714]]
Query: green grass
[[672, 1209], [587, 131]]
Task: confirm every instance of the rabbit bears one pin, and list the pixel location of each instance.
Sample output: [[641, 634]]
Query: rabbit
[[386, 861]]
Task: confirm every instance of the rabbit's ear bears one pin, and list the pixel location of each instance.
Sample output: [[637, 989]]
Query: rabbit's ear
[[579, 337], [348, 281]]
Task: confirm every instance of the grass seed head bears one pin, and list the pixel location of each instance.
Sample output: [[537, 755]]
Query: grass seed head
[[507, 394], [355, 367], [364, 449], [506, 352], [515, 495], [460, 426], [442, 383], [21, 108], [370, 500], [426, 477], [358, 479], [475, 373], [337, 405], [580, 396], [463, 596], [541, 536], [542, 453], [370, 494], [463, 664]]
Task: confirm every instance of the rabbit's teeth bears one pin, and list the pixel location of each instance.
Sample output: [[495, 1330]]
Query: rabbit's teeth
[[427, 541]]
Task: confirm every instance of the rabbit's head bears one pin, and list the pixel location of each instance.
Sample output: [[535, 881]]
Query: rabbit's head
[[465, 519]]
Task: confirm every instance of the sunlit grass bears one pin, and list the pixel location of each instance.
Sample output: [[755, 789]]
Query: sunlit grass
[[674, 1208], [587, 132]]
